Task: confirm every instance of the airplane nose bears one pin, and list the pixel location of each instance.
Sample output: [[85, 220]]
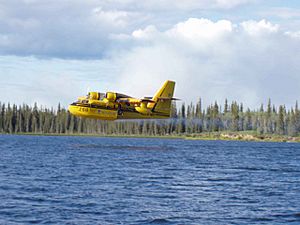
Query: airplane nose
[[71, 109]]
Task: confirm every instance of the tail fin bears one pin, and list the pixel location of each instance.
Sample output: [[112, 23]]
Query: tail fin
[[163, 98]]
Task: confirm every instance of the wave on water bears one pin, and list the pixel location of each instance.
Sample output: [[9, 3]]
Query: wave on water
[[72, 180], [159, 221], [121, 147]]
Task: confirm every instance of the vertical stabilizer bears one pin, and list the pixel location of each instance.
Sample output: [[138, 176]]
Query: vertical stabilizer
[[163, 98]]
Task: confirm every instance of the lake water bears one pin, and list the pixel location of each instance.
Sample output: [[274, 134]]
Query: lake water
[[90, 180]]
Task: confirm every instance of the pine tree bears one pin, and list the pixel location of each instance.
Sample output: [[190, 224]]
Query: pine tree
[[297, 118], [183, 122], [199, 108], [280, 121], [292, 130], [235, 116], [226, 106], [215, 117]]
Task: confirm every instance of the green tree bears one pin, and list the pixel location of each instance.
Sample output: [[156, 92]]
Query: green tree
[[280, 121]]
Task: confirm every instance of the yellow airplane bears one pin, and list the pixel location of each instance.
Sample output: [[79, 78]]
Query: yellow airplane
[[112, 106]]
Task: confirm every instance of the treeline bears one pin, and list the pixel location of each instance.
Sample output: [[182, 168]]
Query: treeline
[[186, 119]]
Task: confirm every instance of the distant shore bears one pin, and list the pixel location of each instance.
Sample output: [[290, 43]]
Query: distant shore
[[242, 136], [226, 136]]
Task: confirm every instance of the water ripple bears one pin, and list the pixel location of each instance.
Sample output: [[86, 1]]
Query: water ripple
[[89, 180]]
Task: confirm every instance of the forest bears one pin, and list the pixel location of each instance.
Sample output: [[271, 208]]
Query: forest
[[185, 120]]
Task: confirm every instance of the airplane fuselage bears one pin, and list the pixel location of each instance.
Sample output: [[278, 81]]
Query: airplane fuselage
[[113, 106], [104, 113]]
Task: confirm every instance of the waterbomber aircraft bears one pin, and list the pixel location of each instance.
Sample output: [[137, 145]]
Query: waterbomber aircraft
[[113, 106]]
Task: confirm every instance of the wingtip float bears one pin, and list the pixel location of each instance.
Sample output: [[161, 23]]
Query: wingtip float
[[113, 106]]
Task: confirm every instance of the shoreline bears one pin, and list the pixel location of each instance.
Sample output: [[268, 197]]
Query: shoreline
[[208, 136], [243, 136]]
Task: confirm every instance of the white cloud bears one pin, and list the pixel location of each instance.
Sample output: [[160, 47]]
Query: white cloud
[[64, 30], [148, 32], [215, 60], [259, 27], [111, 17], [211, 59], [199, 29], [88, 29]]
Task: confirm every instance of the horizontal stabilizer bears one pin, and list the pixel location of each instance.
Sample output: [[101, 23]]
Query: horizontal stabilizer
[[147, 100], [164, 98]]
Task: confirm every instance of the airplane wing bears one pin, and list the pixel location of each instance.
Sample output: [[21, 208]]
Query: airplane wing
[[134, 101]]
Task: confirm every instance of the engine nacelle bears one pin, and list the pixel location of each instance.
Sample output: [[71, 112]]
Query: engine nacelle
[[111, 96], [142, 108], [94, 95]]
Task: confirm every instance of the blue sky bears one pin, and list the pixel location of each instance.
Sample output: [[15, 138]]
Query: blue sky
[[245, 50]]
